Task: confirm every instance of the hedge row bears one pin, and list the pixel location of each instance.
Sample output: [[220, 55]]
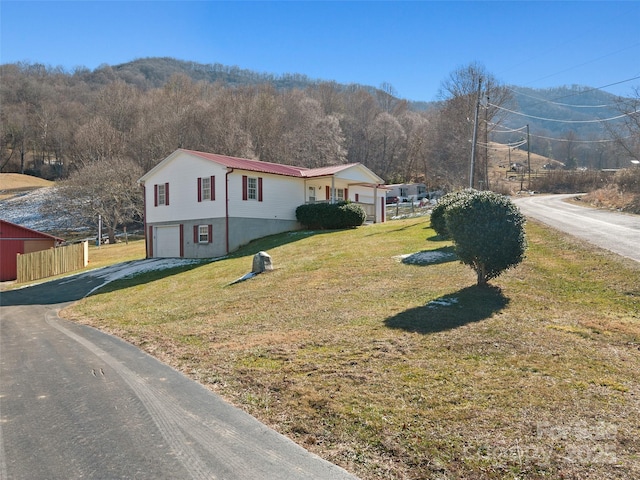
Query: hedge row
[[330, 216]]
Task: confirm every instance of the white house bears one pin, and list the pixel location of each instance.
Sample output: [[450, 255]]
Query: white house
[[203, 205]]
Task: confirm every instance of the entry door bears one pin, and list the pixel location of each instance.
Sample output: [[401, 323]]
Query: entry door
[[166, 241]]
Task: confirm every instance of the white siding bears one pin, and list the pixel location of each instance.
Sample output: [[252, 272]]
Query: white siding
[[182, 176], [280, 197]]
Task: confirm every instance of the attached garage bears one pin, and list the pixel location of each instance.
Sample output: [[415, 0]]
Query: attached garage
[[167, 241]]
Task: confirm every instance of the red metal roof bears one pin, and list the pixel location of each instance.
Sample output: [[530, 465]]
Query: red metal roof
[[251, 165], [325, 171], [11, 231], [267, 167]]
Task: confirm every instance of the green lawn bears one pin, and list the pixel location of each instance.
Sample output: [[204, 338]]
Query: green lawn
[[405, 371]]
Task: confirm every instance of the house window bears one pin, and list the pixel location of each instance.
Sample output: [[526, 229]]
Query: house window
[[312, 194], [251, 188], [340, 194], [161, 194], [203, 233], [206, 189]]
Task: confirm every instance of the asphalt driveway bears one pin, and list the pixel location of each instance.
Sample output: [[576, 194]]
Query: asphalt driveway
[[78, 403], [614, 231]]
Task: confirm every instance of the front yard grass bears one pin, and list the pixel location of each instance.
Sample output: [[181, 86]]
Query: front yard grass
[[403, 371]]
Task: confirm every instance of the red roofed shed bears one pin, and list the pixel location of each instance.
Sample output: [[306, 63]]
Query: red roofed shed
[[16, 239]]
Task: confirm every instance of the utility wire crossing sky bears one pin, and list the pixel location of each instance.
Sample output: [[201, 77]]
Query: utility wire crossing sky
[[413, 46]]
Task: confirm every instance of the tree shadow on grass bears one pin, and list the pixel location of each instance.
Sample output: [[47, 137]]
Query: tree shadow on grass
[[469, 305], [438, 238]]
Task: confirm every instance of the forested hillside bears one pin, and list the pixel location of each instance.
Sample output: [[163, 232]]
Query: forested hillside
[[56, 122]]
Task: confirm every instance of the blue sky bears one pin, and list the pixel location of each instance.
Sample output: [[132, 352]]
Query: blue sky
[[413, 46]]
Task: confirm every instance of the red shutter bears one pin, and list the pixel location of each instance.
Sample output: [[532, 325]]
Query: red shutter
[[328, 192], [181, 240], [346, 194], [150, 241], [213, 187], [166, 193], [155, 195], [195, 234], [244, 187], [357, 197], [259, 189], [199, 189], [210, 233]]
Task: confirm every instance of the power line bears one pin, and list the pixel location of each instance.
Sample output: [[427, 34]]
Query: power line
[[556, 139], [503, 146], [575, 141], [564, 121], [588, 62], [508, 130], [542, 100]]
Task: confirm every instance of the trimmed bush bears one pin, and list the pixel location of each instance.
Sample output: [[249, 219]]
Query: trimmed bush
[[438, 222], [488, 233], [330, 216]]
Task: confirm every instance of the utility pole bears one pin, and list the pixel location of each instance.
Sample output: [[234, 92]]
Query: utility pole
[[475, 137], [529, 157], [99, 242], [486, 145]]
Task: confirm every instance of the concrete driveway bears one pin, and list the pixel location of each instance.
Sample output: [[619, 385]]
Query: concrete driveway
[[78, 403]]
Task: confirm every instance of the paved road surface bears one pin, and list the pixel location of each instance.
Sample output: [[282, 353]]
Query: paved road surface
[[77, 403], [617, 232]]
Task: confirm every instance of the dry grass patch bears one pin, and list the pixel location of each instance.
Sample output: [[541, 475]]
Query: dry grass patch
[[403, 371], [15, 183]]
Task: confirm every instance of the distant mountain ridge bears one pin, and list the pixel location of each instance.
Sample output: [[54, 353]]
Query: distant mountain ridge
[[561, 109], [564, 103]]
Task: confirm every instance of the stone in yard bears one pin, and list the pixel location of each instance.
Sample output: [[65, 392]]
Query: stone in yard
[[261, 262]]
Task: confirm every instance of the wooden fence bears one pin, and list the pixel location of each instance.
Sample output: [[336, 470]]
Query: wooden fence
[[53, 261]]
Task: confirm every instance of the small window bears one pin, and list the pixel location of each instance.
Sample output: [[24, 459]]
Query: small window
[[252, 188], [162, 195], [340, 194], [312, 195], [203, 233]]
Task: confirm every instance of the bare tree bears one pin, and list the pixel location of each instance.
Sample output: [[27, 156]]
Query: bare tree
[[105, 188], [312, 139], [459, 93], [627, 136], [389, 142]]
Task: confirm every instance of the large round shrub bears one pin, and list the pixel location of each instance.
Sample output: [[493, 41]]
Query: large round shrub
[[488, 233], [438, 222], [351, 215], [330, 216]]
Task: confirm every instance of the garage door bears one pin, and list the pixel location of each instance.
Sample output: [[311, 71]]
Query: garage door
[[166, 241]]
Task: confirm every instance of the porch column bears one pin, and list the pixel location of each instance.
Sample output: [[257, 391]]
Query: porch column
[[375, 204], [333, 189]]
